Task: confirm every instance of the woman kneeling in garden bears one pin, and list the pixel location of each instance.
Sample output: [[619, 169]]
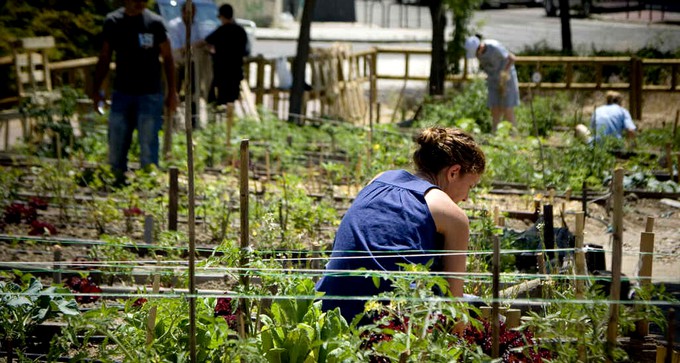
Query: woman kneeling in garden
[[402, 218]]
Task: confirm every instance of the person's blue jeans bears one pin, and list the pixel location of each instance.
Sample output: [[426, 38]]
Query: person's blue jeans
[[130, 112]]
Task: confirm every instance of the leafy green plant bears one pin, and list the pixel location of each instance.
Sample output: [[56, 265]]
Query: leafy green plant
[[115, 250], [26, 304], [469, 103], [296, 331]]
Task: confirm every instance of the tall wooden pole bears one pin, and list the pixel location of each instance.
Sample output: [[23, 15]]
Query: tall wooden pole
[[580, 261], [245, 235], [495, 324], [617, 250], [191, 192]]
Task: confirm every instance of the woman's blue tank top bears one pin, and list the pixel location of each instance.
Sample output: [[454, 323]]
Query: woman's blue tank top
[[388, 223]]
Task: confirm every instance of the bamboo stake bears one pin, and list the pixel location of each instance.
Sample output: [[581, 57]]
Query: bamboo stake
[[496, 213], [230, 123], [580, 265], [617, 245], [669, 160], [501, 221], [675, 124], [151, 321], [580, 258], [245, 235], [267, 164], [495, 324]]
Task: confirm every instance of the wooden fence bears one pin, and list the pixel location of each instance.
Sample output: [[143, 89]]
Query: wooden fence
[[345, 83]]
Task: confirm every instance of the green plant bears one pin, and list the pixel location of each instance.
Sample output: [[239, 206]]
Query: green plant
[[120, 258], [53, 116], [469, 103], [56, 180], [296, 331], [26, 304]]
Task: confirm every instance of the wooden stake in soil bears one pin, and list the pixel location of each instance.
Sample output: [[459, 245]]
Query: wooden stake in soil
[[56, 275], [495, 324], [649, 227], [580, 256], [669, 160], [675, 124], [151, 321], [512, 318], [148, 229], [580, 270], [172, 199], [245, 235], [549, 232], [645, 275], [670, 329], [584, 199], [617, 250], [167, 132]]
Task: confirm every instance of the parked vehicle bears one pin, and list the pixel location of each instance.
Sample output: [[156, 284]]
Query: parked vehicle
[[586, 7], [505, 3]]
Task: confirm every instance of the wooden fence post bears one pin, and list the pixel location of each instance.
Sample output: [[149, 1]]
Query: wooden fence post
[[259, 94], [635, 81]]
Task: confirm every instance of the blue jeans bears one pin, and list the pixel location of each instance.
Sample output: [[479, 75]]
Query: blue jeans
[[130, 112]]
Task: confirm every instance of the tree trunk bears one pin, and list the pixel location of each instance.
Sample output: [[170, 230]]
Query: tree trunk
[[438, 64], [300, 63], [567, 48]]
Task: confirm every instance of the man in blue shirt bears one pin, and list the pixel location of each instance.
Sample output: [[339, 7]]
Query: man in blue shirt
[[612, 120]]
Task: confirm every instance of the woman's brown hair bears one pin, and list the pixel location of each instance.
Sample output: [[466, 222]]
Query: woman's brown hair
[[440, 147]]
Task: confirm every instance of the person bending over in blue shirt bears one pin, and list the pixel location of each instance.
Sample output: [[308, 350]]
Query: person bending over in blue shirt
[[610, 120], [403, 217]]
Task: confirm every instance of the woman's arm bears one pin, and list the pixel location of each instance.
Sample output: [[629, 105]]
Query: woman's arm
[[453, 224], [509, 61]]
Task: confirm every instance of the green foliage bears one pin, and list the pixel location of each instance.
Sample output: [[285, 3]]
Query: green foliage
[[26, 304], [115, 250], [73, 24], [461, 107], [546, 111]]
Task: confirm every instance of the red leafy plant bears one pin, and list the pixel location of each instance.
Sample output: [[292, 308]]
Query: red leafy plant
[[132, 212], [225, 309], [39, 228], [82, 285], [38, 203], [515, 346], [16, 212], [139, 302]]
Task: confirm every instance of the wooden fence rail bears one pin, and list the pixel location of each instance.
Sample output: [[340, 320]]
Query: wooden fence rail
[[330, 79]]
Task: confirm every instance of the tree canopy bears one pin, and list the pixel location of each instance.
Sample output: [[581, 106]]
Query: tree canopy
[[74, 24]]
